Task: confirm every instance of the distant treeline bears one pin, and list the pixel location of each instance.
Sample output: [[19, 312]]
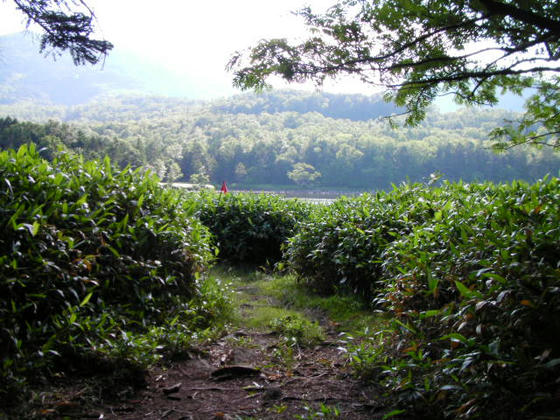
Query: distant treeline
[[353, 107], [201, 142]]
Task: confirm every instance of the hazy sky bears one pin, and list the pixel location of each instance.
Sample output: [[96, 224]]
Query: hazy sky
[[192, 37], [196, 38]]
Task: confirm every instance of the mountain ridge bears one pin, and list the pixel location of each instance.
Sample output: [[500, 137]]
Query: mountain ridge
[[27, 74]]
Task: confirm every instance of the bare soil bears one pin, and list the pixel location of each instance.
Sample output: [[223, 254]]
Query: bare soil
[[246, 374], [228, 381]]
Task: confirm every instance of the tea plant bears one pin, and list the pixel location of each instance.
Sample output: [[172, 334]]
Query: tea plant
[[476, 292], [93, 261], [249, 228], [339, 247], [471, 276]]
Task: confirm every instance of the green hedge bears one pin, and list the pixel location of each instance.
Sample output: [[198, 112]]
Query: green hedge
[[470, 275], [339, 247], [249, 228], [88, 256], [476, 294]]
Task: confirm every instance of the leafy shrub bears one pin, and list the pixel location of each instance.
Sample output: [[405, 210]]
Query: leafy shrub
[[91, 258], [249, 228], [471, 274], [476, 296], [339, 247]]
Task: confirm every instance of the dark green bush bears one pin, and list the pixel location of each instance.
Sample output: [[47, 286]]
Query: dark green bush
[[476, 296], [471, 276], [89, 256], [339, 248], [249, 228]]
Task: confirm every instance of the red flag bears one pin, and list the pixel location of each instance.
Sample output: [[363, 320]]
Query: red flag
[[224, 188]]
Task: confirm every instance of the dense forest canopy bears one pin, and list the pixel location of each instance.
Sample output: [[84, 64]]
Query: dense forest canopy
[[354, 107], [252, 140]]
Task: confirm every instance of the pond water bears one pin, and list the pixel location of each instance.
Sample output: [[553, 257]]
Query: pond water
[[314, 196]]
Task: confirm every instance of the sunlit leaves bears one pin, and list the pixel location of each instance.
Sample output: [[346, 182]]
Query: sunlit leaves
[[418, 50], [470, 274], [88, 250], [540, 125]]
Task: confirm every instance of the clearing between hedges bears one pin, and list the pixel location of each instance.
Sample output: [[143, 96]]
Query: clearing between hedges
[[278, 360]]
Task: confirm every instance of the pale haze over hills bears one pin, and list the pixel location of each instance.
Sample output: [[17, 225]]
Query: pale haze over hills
[[187, 40], [26, 75], [172, 48]]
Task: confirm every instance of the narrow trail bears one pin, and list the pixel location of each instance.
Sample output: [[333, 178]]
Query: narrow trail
[[254, 374]]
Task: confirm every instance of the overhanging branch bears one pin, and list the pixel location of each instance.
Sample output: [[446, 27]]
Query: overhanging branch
[[498, 8]]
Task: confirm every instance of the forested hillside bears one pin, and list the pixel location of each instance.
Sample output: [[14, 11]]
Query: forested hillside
[[353, 107], [254, 140]]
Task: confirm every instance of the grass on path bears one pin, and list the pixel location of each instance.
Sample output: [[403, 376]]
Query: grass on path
[[282, 304]]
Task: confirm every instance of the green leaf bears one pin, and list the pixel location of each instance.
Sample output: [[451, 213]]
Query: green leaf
[[114, 251], [86, 299], [552, 363], [173, 321], [140, 201], [465, 291], [430, 313], [35, 228], [432, 282], [393, 413], [81, 200], [455, 337]]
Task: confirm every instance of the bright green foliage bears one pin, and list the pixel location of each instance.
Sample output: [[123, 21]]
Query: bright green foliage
[[340, 246], [476, 295], [419, 49], [53, 136], [540, 126], [303, 174], [249, 228], [91, 258], [470, 274], [298, 329], [321, 412], [284, 131]]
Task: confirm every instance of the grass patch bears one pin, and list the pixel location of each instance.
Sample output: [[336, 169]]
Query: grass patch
[[347, 313], [298, 329], [259, 309], [266, 301]]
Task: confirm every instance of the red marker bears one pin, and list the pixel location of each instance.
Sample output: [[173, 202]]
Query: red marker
[[224, 188]]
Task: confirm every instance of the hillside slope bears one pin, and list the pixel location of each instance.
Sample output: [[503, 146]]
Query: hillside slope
[[26, 74]]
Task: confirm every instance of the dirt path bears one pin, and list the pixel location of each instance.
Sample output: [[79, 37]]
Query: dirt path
[[251, 374]]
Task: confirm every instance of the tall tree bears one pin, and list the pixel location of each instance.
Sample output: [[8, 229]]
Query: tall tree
[[67, 25], [419, 49]]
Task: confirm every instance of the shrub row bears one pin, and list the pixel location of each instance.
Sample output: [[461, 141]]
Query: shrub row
[[89, 256], [477, 293], [249, 228], [339, 247], [471, 276]]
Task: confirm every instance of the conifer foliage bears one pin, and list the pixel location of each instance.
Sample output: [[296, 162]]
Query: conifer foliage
[[67, 25]]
